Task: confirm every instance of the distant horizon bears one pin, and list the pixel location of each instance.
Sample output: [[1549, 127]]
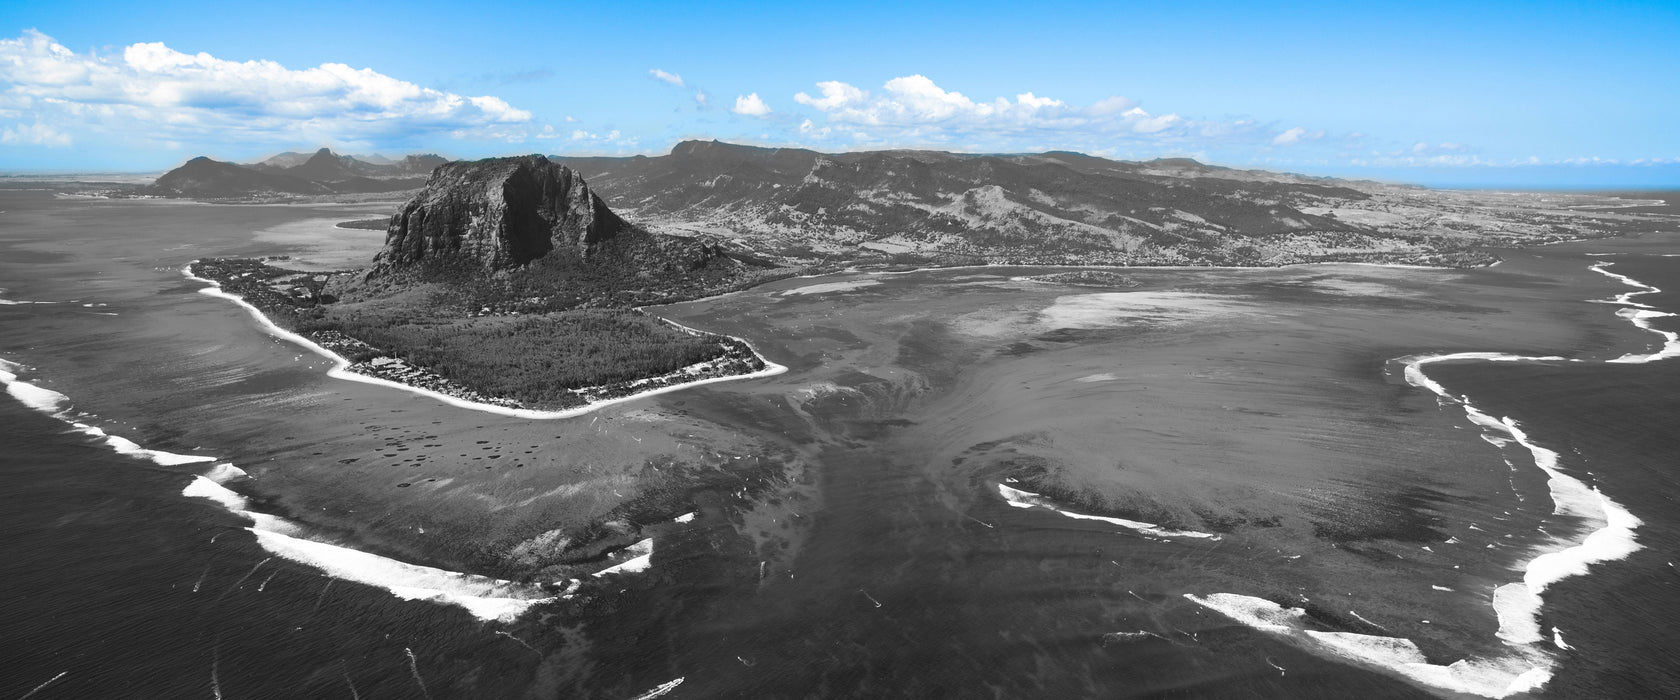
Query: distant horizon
[[1559, 183]]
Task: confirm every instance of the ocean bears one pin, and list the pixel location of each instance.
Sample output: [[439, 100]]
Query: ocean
[[971, 482]]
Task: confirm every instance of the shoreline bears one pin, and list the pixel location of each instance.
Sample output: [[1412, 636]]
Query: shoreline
[[485, 598], [342, 366], [1606, 534]]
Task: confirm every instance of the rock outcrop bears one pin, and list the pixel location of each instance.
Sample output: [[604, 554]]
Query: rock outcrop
[[531, 229], [498, 214]]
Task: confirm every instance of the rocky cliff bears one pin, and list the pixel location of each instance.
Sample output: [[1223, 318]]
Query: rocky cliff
[[498, 214], [530, 229]]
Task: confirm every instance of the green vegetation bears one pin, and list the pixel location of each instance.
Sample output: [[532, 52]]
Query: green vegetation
[[543, 360], [548, 360], [1090, 278], [366, 224]]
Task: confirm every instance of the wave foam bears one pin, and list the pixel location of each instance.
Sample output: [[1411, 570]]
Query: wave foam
[[485, 598], [1524, 671], [1026, 499], [1528, 666], [225, 472], [30, 395], [1640, 315], [643, 559]]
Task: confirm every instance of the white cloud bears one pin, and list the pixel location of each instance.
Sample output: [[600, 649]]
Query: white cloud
[[750, 105], [663, 76], [915, 107], [702, 99], [155, 93], [613, 137], [37, 134], [809, 128], [1111, 105], [1296, 135], [835, 95]]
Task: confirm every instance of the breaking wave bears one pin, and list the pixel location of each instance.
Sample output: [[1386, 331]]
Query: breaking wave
[[1531, 659], [1026, 499], [483, 597]]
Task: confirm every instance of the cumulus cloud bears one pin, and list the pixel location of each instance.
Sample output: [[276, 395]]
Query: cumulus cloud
[[663, 76], [702, 99], [750, 105], [153, 92], [835, 95], [915, 106]]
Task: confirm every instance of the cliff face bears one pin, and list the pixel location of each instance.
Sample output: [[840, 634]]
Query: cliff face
[[498, 214]]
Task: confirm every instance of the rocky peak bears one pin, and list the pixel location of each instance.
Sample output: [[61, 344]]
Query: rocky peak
[[497, 214]]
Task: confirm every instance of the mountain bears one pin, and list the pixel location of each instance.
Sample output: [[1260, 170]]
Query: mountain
[[419, 164], [530, 230], [202, 177], [288, 174], [281, 161], [498, 214], [326, 166], [1056, 207]]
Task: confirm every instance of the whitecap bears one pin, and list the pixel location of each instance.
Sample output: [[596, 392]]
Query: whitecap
[[1026, 499], [643, 559], [1523, 671], [485, 598]]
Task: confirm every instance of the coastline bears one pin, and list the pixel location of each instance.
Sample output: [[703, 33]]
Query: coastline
[[485, 598], [342, 367], [1606, 534]]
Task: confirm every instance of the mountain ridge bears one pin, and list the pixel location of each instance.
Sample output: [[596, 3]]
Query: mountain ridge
[[291, 174], [802, 208], [1058, 207]]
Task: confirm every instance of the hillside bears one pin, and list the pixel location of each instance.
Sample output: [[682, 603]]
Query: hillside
[[1053, 208], [204, 178], [291, 174]]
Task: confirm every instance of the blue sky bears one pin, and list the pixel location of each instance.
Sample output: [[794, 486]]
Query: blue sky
[[1457, 94]]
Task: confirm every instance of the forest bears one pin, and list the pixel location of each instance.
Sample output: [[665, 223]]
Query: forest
[[545, 360]]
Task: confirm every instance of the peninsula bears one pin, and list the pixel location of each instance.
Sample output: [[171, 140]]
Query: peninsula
[[507, 283]]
